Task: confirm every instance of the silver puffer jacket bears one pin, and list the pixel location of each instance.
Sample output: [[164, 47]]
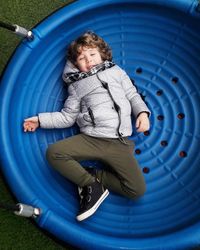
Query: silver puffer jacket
[[100, 104]]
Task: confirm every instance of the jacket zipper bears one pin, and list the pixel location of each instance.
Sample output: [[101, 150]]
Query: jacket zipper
[[116, 106], [91, 116]]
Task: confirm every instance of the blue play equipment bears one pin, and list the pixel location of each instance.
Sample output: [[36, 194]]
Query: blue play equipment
[[158, 43]]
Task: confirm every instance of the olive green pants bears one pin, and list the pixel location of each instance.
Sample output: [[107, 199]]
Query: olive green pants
[[121, 173]]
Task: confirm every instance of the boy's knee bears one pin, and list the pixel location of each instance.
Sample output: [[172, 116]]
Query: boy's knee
[[140, 191], [50, 153], [134, 192], [54, 154]]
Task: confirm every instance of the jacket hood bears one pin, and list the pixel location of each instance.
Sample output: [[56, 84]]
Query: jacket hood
[[69, 68]]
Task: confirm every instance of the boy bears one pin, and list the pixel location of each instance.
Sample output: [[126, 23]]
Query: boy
[[101, 98]]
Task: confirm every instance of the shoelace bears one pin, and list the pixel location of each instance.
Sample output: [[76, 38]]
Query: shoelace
[[85, 196]]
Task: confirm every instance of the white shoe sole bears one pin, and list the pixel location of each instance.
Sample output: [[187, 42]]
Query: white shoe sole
[[93, 209]]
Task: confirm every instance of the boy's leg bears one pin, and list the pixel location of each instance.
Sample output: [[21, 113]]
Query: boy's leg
[[64, 156], [127, 178]]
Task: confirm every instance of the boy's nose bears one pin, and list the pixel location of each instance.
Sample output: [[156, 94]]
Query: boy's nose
[[89, 59]]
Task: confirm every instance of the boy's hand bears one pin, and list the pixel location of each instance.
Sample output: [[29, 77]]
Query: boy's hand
[[31, 124], [142, 123]]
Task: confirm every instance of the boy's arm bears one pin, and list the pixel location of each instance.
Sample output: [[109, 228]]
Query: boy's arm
[[137, 103], [66, 117]]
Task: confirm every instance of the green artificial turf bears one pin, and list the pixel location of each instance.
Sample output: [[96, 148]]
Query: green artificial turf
[[19, 232]]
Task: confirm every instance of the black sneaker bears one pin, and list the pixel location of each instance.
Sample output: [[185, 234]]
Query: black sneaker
[[91, 197]]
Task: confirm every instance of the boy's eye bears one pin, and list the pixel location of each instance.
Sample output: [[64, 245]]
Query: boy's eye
[[93, 54]]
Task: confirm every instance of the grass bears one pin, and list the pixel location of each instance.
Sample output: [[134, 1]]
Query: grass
[[18, 232]]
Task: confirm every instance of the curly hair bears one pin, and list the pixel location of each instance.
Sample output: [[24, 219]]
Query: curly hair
[[89, 40]]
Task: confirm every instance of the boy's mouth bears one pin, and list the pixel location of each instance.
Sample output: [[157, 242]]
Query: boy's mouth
[[90, 67]]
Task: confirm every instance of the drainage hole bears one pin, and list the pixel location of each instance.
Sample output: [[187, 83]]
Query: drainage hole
[[181, 116], [160, 117], [183, 154], [164, 143], [146, 170], [139, 70], [138, 151], [174, 79], [159, 92], [146, 133]]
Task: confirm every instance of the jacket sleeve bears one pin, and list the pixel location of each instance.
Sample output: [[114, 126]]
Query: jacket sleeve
[[137, 103], [66, 117]]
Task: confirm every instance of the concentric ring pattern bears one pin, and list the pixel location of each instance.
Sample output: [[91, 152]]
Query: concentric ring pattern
[[159, 47]]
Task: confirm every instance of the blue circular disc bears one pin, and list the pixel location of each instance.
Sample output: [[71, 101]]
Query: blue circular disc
[[158, 44]]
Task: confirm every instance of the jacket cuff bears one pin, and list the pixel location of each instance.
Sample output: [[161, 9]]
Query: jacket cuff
[[148, 113]]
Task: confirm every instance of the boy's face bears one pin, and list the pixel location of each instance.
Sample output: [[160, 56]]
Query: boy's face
[[88, 58]]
